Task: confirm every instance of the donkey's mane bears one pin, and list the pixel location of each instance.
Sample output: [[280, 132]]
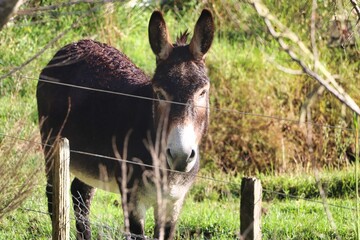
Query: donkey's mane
[[181, 39]]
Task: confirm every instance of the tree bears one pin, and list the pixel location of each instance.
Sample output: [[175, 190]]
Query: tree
[[7, 7]]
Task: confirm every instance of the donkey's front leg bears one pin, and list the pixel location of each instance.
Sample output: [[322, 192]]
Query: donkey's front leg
[[134, 219], [82, 195], [134, 213], [166, 217], [137, 221]]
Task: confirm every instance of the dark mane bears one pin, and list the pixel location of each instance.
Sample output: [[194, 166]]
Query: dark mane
[[182, 38]]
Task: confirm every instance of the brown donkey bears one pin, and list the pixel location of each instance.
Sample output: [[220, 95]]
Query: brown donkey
[[96, 97]]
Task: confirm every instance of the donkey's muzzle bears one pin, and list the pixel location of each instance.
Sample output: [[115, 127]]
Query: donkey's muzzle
[[182, 148]]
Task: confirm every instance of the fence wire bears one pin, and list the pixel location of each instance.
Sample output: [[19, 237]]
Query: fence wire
[[54, 7], [232, 183], [106, 230], [216, 109]]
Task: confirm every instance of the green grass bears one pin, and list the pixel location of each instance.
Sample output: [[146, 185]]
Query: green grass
[[205, 219], [299, 219], [208, 218]]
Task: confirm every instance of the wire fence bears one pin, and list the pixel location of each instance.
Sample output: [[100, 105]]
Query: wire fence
[[220, 181], [109, 230], [221, 110], [46, 9]]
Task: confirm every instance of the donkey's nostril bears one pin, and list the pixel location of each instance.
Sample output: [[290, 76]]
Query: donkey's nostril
[[168, 152], [180, 159], [192, 155], [175, 155]]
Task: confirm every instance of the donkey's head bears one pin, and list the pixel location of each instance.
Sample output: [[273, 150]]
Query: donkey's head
[[181, 86]]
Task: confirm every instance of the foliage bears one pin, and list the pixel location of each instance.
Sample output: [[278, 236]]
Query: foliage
[[258, 106], [255, 106], [336, 184]]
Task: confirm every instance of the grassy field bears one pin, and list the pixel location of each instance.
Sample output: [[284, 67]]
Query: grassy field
[[254, 119], [210, 212]]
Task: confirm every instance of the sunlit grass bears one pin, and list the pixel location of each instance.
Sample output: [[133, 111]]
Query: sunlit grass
[[210, 217]]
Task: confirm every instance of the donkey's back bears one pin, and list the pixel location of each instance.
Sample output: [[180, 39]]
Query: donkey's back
[[83, 94]]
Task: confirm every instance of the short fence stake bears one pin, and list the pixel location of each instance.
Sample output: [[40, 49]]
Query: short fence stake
[[61, 188], [250, 209]]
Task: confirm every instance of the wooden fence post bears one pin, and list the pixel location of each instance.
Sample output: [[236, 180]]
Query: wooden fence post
[[250, 209], [61, 188]]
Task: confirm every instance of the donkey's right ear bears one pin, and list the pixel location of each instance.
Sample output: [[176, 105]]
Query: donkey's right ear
[[203, 35], [159, 36]]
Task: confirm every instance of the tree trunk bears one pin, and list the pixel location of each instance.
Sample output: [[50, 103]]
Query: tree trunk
[[7, 7]]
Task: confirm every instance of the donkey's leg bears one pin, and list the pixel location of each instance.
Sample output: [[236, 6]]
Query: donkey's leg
[[137, 222], [49, 160], [49, 193], [134, 215], [82, 195], [165, 219], [134, 211]]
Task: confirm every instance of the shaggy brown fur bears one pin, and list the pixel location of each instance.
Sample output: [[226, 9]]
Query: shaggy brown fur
[[74, 102]]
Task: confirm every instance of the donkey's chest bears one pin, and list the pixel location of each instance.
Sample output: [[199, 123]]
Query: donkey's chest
[[171, 192], [147, 193], [104, 180]]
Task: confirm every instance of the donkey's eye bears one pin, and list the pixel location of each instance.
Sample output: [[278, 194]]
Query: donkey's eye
[[203, 93], [160, 96]]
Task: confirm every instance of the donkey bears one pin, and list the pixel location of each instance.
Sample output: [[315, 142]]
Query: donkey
[[96, 97]]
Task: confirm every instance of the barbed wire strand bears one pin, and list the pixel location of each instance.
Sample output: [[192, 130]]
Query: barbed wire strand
[[55, 18], [184, 104], [22, 13], [93, 223], [32, 23], [179, 172], [53, 7], [71, 13], [47, 46]]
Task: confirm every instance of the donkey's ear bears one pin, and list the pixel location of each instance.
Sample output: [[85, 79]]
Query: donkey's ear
[[159, 36], [203, 35]]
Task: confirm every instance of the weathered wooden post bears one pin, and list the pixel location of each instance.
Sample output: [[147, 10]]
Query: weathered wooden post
[[61, 188], [250, 209]]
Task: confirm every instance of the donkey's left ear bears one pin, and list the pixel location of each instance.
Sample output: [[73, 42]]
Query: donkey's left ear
[[203, 35], [159, 36]]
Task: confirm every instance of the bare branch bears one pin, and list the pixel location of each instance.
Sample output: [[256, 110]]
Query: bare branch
[[310, 100], [288, 70], [313, 34], [322, 75], [312, 97], [285, 69], [39, 53], [357, 9], [47, 46]]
